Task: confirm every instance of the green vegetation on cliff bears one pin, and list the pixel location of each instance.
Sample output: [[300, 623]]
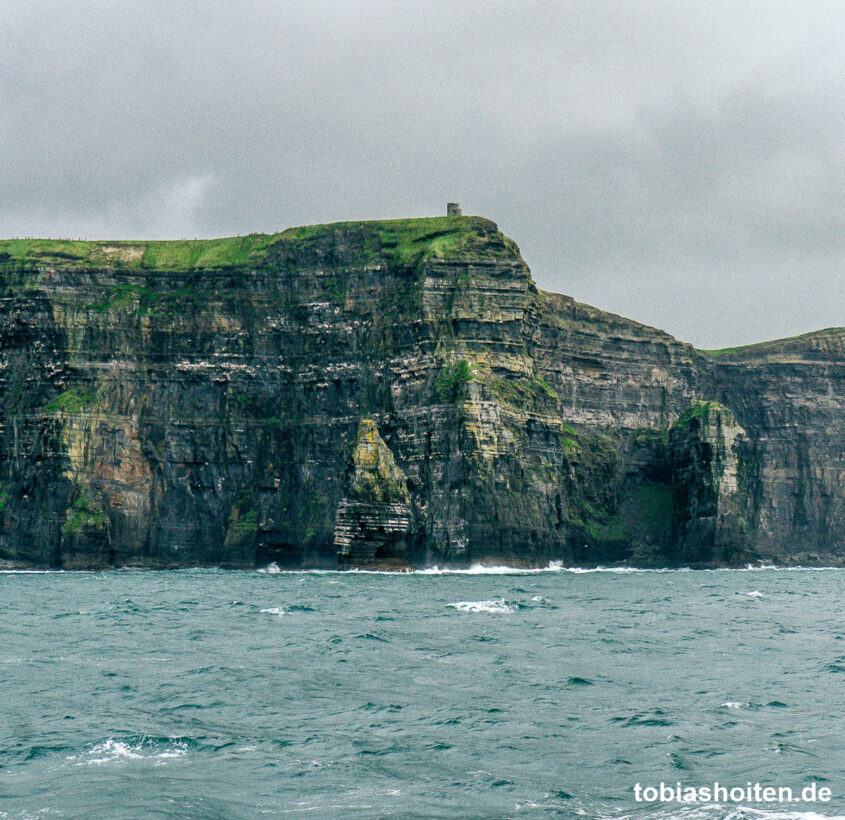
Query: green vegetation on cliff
[[73, 400], [408, 241], [700, 409], [177, 255], [402, 240], [377, 476], [449, 381], [84, 513], [774, 345]]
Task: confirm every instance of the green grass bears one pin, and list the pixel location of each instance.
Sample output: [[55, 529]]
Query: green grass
[[650, 436], [336, 290], [521, 394], [166, 255], [699, 409], [84, 513], [545, 387], [207, 254], [760, 346], [73, 400], [126, 295], [46, 250], [149, 301], [243, 519], [406, 240], [449, 380], [401, 240], [247, 523]]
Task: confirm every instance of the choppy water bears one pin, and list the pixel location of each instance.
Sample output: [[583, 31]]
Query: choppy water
[[236, 694]]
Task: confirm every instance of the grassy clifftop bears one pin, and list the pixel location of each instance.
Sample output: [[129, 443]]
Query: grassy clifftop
[[819, 342], [404, 240], [169, 254]]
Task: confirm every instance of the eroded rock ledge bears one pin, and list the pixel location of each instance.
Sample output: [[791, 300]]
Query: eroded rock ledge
[[390, 394]]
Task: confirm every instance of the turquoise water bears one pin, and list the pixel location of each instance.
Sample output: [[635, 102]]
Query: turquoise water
[[205, 693]]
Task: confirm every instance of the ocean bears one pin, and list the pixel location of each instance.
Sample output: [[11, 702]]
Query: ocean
[[483, 693]]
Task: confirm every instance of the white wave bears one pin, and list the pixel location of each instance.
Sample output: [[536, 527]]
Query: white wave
[[484, 569], [276, 610], [753, 594], [111, 751], [621, 570], [747, 813], [773, 568], [732, 704], [498, 606], [552, 566], [719, 811], [474, 569]]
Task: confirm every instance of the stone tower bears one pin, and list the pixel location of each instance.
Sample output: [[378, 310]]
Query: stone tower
[[453, 209]]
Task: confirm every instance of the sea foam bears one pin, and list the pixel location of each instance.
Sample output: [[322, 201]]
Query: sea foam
[[120, 751], [275, 610], [498, 606], [720, 811], [552, 566]]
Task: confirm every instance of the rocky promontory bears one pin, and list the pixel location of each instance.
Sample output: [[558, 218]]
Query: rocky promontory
[[390, 394]]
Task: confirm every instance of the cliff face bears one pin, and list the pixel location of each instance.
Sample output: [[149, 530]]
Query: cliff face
[[390, 394]]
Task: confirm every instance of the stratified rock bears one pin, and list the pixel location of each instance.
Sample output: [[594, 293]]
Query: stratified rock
[[386, 394], [376, 479], [373, 521], [706, 443]]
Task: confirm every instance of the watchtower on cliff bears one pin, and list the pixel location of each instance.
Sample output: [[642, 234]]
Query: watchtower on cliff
[[453, 209]]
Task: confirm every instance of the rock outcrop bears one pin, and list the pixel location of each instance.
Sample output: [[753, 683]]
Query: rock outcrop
[[705, 446], [390, 394], [373, 522]]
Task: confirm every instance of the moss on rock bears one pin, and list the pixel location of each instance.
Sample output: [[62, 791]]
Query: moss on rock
[[377, 476], [85, 513]]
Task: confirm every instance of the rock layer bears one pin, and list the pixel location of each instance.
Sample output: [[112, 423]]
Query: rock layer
[[390, 394], [373, 521]]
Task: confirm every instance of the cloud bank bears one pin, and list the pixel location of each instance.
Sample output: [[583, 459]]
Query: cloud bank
[[680, 163]]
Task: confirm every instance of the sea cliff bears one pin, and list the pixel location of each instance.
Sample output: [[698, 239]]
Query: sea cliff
[[390, 394]]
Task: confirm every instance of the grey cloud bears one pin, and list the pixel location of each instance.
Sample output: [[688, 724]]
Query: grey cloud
[[678, 162]]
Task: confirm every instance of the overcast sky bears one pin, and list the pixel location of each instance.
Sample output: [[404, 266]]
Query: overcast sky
[[681, 163]]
